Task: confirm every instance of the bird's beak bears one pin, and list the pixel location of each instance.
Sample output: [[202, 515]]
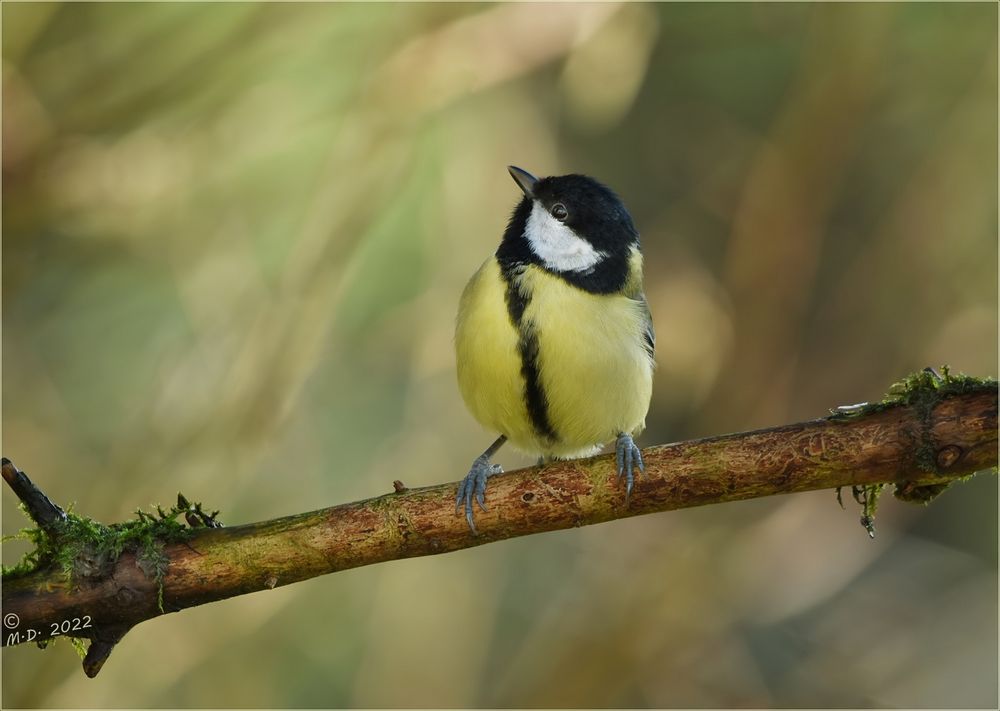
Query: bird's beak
[[524, 179]]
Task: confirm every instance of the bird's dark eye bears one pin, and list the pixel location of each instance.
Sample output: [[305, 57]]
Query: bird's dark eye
[[560, 212]]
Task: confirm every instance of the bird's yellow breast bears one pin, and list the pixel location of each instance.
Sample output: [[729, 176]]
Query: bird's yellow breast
[[487, 357], [591, 363]]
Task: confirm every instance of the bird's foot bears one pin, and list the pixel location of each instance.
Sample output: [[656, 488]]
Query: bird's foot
[[628, 457], [473, 486]]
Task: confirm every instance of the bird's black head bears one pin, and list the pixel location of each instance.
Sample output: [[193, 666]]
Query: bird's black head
[[573, 226]]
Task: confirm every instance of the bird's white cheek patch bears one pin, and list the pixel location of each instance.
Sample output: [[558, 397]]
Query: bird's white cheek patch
[[557, 245]]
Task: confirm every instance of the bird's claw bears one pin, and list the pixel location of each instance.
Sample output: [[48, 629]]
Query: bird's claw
[[473, 487], [627, 458]]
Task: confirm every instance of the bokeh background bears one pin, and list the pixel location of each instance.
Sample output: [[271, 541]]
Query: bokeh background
[[234, 238]]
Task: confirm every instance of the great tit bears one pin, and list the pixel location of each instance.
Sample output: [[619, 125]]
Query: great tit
[[553, 340]]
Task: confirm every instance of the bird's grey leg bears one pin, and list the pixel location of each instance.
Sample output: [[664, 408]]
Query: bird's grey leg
[[473, 486], [627, 457]]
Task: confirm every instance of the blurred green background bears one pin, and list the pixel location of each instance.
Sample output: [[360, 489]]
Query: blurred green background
[[234, 238]]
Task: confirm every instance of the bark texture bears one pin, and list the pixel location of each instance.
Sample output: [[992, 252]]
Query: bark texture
[[923, 444]]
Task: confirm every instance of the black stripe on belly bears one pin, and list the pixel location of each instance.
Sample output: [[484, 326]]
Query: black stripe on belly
[[527, 346], [534, 394]]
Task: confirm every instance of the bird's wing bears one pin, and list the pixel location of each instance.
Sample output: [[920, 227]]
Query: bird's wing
[[649, 333]]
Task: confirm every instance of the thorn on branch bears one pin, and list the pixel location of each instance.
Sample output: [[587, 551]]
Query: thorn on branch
[[41, 509]]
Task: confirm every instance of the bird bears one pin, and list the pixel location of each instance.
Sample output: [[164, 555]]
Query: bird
[[554, 341]]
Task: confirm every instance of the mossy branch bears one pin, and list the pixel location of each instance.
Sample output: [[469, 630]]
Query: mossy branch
[[930, 431]]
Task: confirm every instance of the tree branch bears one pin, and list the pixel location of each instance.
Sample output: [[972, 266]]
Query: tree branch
[[919, 443]]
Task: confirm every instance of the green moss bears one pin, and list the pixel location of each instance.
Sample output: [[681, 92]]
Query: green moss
[[911, 493], [78, 643], [84, 548], [31, 560], [867, 497], [921, 391]]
